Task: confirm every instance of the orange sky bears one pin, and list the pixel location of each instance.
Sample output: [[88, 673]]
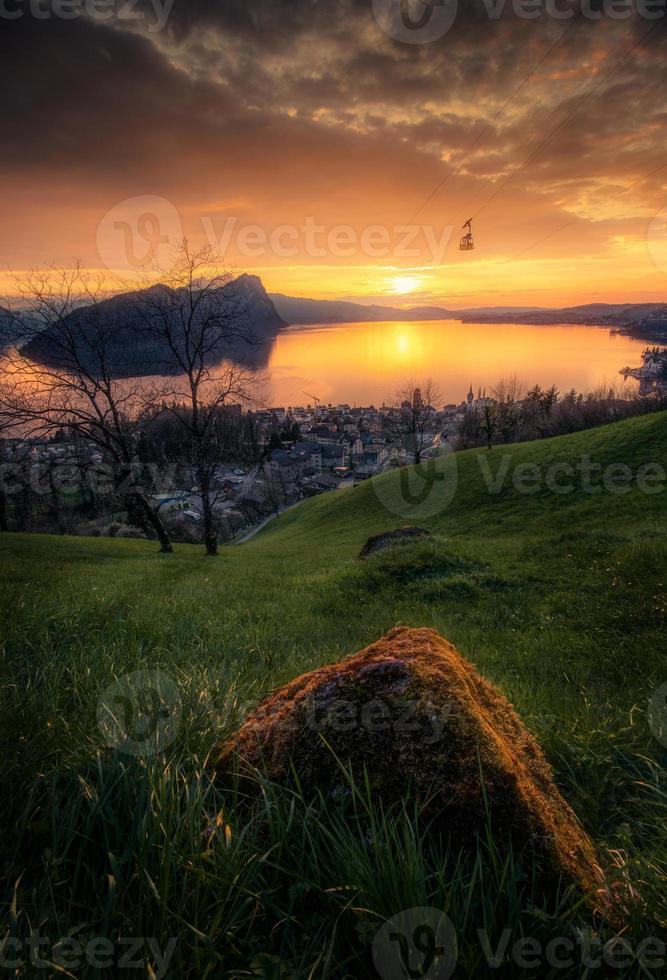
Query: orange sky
[[245, 126]]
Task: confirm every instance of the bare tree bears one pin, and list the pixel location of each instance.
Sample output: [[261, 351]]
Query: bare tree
[[198, 321], [4, 457], [13, 457], [489, 423], [274, 490], [68, 383], [414, 419]]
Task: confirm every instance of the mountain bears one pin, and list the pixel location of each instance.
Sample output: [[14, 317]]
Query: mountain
[[259, 308], [8, 327], [296, 310], [499, 310], [132, 349], [647, 320]]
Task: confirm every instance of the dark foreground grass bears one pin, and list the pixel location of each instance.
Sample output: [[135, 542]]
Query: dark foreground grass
[[559, 598]]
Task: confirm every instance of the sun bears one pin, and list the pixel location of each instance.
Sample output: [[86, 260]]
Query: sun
[[405, 284]]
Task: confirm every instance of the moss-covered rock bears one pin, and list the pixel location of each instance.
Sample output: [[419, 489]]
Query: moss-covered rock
[[415, 719]]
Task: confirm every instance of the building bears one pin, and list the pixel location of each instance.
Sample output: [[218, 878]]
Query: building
[[654, 362], [333, 456], [353, 443], [177, 500], [310, 453], [652, 375]]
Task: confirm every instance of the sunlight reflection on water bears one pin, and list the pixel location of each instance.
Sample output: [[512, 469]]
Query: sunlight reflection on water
[[366, 362]]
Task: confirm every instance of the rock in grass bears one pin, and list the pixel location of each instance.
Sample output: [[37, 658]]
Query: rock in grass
[[405, 535], [415, 719]]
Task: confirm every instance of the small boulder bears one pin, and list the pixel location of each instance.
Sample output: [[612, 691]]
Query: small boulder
[[405, 535], [411, 715]]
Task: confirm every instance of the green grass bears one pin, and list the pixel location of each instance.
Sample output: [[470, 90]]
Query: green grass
[[559, 599]]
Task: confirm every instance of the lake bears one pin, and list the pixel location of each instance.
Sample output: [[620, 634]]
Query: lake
[[364, 363]]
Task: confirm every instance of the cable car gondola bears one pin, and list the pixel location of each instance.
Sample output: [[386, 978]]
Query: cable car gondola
[[467, 242]]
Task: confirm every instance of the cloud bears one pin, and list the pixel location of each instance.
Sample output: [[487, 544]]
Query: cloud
[[274, 111]]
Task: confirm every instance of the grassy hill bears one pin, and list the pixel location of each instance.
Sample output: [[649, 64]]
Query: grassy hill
[[558, 595]]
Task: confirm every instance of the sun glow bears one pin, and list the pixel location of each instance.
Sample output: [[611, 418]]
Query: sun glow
[[401, 285], [402, 344]]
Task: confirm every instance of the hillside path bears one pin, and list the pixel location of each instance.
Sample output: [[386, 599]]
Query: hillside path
[[267, 520]]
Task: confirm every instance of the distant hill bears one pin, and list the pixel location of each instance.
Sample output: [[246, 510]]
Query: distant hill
[[133, 351], [648, 320], [499, 310], [296, 310], [7, 327]]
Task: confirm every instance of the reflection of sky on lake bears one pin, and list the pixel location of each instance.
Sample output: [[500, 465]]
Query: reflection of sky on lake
[[362, 363]]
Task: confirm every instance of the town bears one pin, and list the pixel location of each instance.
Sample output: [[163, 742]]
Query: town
[[280, 455], [264, 461], [652, 375]]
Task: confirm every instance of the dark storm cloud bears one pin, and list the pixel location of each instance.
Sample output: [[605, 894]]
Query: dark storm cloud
[[274, 21], [311, 102], [218, 60], [71, 93], [78, 97]]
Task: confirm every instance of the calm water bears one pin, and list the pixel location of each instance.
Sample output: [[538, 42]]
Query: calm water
[[363, 363]]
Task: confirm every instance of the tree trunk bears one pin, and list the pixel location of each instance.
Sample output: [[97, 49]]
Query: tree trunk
[[210, 530], [25, 508], [210, 533], [139, 509], [142, 514], [166, 547], [4, 525]]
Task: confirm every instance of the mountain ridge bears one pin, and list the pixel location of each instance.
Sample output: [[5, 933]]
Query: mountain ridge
[[641, 319], [132, 350], [264, 315], [302, 310]]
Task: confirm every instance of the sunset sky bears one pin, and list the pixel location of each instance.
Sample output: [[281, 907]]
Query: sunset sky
[[238, 118]]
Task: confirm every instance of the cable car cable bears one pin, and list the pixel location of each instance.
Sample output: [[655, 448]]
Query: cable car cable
[[456, 167], [568, 118]]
